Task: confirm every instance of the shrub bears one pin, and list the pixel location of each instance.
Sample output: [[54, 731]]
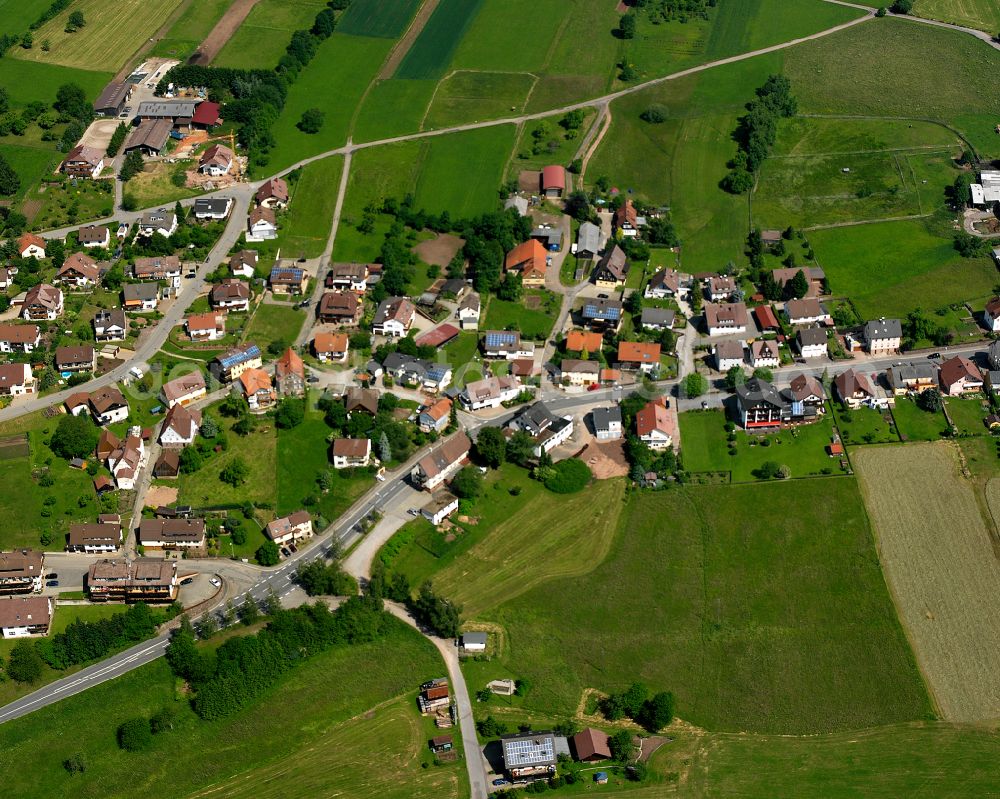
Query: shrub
[[135, 735], [568, 477], [654, 114]]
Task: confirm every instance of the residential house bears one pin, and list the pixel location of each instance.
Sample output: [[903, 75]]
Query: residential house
[[31, 246], [273, 193], [726, 318], [209, 326], [474, 641], [288, 280], [351, 453], [528, 259], [766, 318], [855, 389], [506, 344], [770, 239], [19, 338], [21, 572], [262, 224], [149, 139], [125, 463], [140, 297], [611, 270], [549, 236], [348, 277], [16, 380], [93, 539], [657, 319], [160, 221], [42, 302], [807, 397], [720, 288], [94, 236], [811, 342], [171, 534], [761, 405], [639, 355], [666, 283], [112, 100], [574, 372], [442, 462], [83, 162], [765, 355], [291, 529], [912, 377], [729, 353], [883, 336], [23, 616], [180, 426], [108, 405], [607, 423], [6, 281], [331, 347], [216, 161], [588, 241], [602, 313], [82, 358], [653, 425], [436, 417], [583, 341], [231, 365], [184, 390], [442, 505], [340, 308], [416, 371], [960, 376], [145, 580], [529, 754], [107, 442], [231, 294], [815, 276], [490, 392], [547, 429], [993, 355], [626, 219], [393, 317], [243, 264], [361, 400], [257, 389], [808, 311], [110, 325], [158, 267], [290, 374], [552, 181], [212, 207], [468, 311]]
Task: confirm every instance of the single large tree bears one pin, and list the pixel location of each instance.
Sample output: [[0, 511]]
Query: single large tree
[[491, 446], [75, 437]]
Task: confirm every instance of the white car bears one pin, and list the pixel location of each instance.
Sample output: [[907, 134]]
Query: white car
[[216, 582], [380, 477]]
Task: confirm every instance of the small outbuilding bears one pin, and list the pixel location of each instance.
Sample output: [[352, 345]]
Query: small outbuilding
[[474, 642]]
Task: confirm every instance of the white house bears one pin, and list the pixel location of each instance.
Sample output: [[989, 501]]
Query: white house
[[243, 264], [883, 336], [393, 317], [547, 429], [728, 354], [209, 326], [992, 315], [441, 463], [262, 224], [184, 390], [351, 453], [212, 207], [490, 392], [468, 311], [811, 342], [16, 379], [22, 616], [19, 338], [764, 354], [125, 463], [43, 302], [506, 344], [94, 236], [575, 372], [652, 425], [31, 246], [180, 426], [160, 221], [290, 529], [726, 318], [216, 161], [607, 423], [441, 506], [807, 311]]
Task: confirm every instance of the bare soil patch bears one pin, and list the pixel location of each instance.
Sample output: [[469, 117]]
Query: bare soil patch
[[939, 562], [440, 250], [605, 459], [160, 495], [99, 133], [404, 44], [222, 32]]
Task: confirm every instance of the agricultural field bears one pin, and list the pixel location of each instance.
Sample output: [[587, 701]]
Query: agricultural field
[[392, 108], [937, 550], [191, 28], [262, 38], [386, 19], [305, 226], [30, 81], [890, 268], [466, 96], [113, 32], [981, 14], [802, 449], [328, 734], [431, 52], [744, 614]]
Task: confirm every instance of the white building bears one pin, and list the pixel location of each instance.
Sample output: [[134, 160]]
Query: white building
[[441, 506], [490, 392], [468, 311], [23, 616], [351, 453], [291, 529], [607, 423]]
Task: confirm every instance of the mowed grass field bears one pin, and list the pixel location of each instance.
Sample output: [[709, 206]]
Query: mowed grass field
[[30, 81], [473, 96], [305, 226], [939, 560], [385, 18], [981, 14], [742, 600], [262, 38], [191, 28], [890, 268], [392, 108], [312, 719], [114, 31]]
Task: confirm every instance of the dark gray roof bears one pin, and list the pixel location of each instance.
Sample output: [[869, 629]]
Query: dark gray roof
[[211, 205], [756, 392], [535, 418], [604, 417], [809, 336], [658, 316], [141, 291], [882, 329], [588, 237]]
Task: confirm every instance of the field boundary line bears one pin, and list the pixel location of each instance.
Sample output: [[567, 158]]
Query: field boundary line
[[877, 118], [405, 42], [929, 148], [854, 223]]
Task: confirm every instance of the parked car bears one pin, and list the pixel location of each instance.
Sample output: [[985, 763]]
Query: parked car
[[285, 552], [500, 782], [312, 379], [52, 576], [216, 582], [293, 548], [53, 583]]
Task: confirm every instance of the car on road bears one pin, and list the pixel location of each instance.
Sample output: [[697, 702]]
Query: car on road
[[312, 379], [216, 582], [53, 583], [934, 355], [593, 387]]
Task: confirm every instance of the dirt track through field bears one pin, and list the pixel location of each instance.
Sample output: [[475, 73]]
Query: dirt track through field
[[222, 32], [941, 569], [404, 44]]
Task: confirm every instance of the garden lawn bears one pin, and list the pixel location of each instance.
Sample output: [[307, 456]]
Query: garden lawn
[[462, 349], [191, 28], [305, 226], [802, 449], [334, 82], [113, 33], [863, 426], [272, 323], [967, 415], [890, 268], [742, 600], [916, 424], [533, 323], [261, 40], [302, 721]]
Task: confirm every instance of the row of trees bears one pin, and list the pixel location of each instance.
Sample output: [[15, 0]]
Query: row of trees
[[757, 130], [652, 712]]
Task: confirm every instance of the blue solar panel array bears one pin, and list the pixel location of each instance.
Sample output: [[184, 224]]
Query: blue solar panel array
[[282, 271], [228, 361], [600, 311], [500, 338]]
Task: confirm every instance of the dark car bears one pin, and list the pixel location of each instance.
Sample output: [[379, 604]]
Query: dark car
[[312, 379], [53, 583], [500, 782], [52, 576], [934, 355]]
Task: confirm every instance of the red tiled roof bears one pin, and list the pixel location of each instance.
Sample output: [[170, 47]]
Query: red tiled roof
[[766, 317], [207, 113], [438, 336]]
